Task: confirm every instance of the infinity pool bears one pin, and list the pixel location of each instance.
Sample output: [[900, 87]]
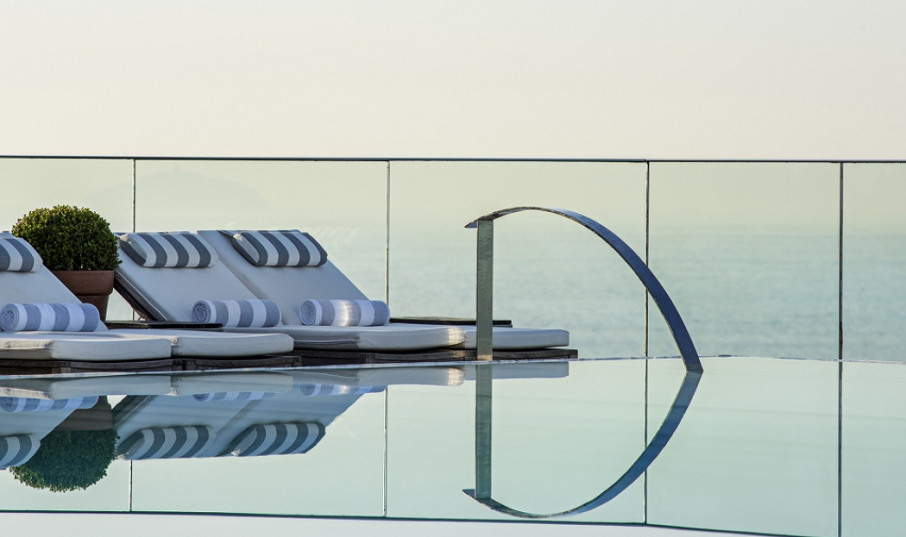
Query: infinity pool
[[755, 445]]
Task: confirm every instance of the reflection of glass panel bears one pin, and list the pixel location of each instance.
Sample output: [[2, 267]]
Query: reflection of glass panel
[[874, 261], [342, 204], [874, 436], [104, 186], [755, 452], [557, 442], [548, 272], [749, 254]]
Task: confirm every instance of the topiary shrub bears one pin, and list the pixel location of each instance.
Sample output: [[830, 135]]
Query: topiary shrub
[[69, 460], [69, 238]]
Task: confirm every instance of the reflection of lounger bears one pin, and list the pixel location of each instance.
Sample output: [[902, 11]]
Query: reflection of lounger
[[41, 286], [84, 386], [186, 422], [169, 294], [290, 286], [25, 421]]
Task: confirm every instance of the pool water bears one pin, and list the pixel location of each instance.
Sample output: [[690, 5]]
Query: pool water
[[756, 445]]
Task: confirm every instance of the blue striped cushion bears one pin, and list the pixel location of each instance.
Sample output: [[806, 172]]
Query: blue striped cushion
[[286, 248], [16, 255], [24, 404], [178, 249], [244, 313], [276, 439], [344, 313], [16, 450], [68, 317], [175, 442]]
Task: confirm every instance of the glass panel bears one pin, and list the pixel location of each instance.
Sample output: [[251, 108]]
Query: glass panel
[[549, 272], [104, 186], [874, 259], [749, 254], [342, 204], [874, 433], [756, 451], [561, 434]]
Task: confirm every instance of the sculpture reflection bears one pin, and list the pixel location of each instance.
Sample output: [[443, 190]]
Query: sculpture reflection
[[482, 492]]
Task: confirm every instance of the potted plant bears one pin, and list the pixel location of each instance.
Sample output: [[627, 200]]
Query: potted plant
[[77, 245]]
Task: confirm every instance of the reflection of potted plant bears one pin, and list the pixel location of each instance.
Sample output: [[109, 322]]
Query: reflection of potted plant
[[78, 246], [69, 460], [76, 454]]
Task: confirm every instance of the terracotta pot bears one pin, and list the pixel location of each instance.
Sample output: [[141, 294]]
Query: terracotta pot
[[90, 286], [97, 418]]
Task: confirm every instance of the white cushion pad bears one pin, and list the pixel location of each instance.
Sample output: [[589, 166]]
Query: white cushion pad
[[221, 344], [388, 337], [89, 347], [518, 338]]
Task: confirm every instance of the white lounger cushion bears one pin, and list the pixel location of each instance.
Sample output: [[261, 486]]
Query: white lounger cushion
[[519, 338], [85, 346], [220, 344], [389, 337]]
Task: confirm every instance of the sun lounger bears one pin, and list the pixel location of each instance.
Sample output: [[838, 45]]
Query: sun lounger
[[170, 293], [41, 286], [290, 286]]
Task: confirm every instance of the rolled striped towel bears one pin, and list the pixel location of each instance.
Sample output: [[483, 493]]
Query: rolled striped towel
[[16, 450], [238, 313], [344, 313], [176, 249], [177, 442], [231, 396], [24, 404], [322, 390], [276, 439], [68, 317]]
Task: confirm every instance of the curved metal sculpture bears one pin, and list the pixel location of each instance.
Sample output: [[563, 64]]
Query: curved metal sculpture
[[651, 283], [641, 464]]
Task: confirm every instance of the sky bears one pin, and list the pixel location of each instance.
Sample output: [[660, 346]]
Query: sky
[[768, 79]]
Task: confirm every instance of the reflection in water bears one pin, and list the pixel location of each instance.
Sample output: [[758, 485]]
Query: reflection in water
[[483, 413], [68, 460], [67, 444], [73, 456]]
